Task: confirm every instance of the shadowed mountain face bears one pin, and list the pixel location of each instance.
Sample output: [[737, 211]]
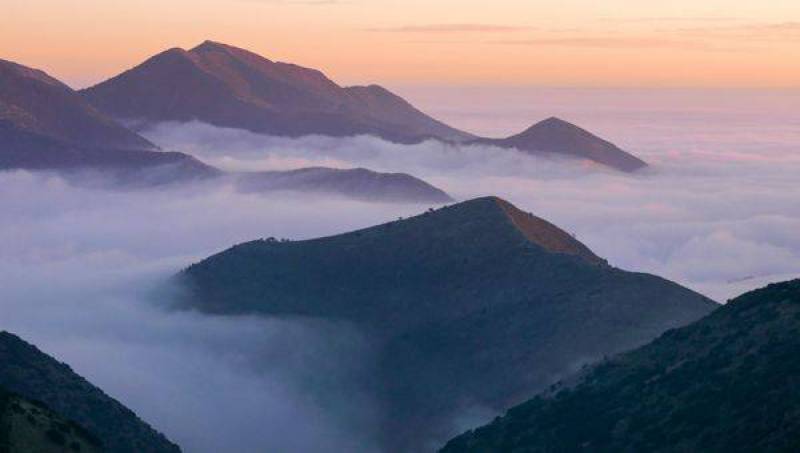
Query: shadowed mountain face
[[727, 383], [473, 307], [358, 183], [46, 125], [231, 87], [30, 426], [35, 376], [558, 137]]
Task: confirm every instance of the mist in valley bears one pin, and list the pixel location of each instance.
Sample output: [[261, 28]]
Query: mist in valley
[[84, 272], [716, 211]]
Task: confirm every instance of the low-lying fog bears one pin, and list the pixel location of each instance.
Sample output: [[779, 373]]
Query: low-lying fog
[[82, 271]]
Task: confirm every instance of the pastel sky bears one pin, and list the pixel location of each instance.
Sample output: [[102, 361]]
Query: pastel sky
[[708, 43]]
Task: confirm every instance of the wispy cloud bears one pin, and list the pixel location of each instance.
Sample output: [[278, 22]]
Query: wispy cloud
[[673, 19], [612, 42], [452, 28], [758, 31], [301, 2], [317, 2]]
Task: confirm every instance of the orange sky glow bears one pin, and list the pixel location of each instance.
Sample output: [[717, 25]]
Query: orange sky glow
[[685, 43]]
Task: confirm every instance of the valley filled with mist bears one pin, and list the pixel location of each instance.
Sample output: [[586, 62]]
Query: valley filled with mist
[[86, 272]]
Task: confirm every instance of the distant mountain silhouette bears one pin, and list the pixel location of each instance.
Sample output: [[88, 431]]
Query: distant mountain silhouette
[[358, 183], [556, 136], [726, 383], [476, 305], [46, 125], [34, 375], [230, 87]]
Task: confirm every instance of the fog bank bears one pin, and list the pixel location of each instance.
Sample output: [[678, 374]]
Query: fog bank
[[83, 271], [717, 210]]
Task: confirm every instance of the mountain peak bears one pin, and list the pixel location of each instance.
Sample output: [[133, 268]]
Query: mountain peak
[[545, 234], [36, 105], [9, 67], [555, 121], [229, 86], [557, 136], [457, 291], [555, 125], [209, 45], [535, 229]]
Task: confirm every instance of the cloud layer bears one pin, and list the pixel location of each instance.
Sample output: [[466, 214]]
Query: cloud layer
[[716, 211], [83, 271], [83, 276]]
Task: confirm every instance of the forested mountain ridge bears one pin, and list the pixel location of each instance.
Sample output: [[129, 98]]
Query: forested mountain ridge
[[726, 383], [475, 304]]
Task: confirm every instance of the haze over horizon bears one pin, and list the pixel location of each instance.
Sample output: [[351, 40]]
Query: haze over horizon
[[516, 42]]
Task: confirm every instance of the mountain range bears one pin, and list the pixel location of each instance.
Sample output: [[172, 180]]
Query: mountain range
[[231, 87], [29, 376], [46, 126], [726, 383], [475, 305]]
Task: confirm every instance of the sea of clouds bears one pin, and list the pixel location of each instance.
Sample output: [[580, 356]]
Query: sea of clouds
[[84, 272], [718, 210]]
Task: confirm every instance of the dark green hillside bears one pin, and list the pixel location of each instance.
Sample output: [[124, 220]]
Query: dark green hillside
[[727, 383], [35, 376], [28, 427], [474, 305]]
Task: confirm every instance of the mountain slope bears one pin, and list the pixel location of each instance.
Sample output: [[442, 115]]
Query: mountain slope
[[727, 383], [474, 305], [35, 102], [29, 426], [357, 183], [556, 136], [231, 87], [36, 376], [46, 125]]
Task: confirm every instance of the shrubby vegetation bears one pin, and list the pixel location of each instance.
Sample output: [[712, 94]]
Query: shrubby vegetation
[[30, 426], [727, 383], [463, 308], [35, 376]]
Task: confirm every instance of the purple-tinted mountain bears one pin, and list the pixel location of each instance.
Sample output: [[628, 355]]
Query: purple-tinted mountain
[[46, 125], [555, 136], [475, 305], [231, 87], [357, 183]]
